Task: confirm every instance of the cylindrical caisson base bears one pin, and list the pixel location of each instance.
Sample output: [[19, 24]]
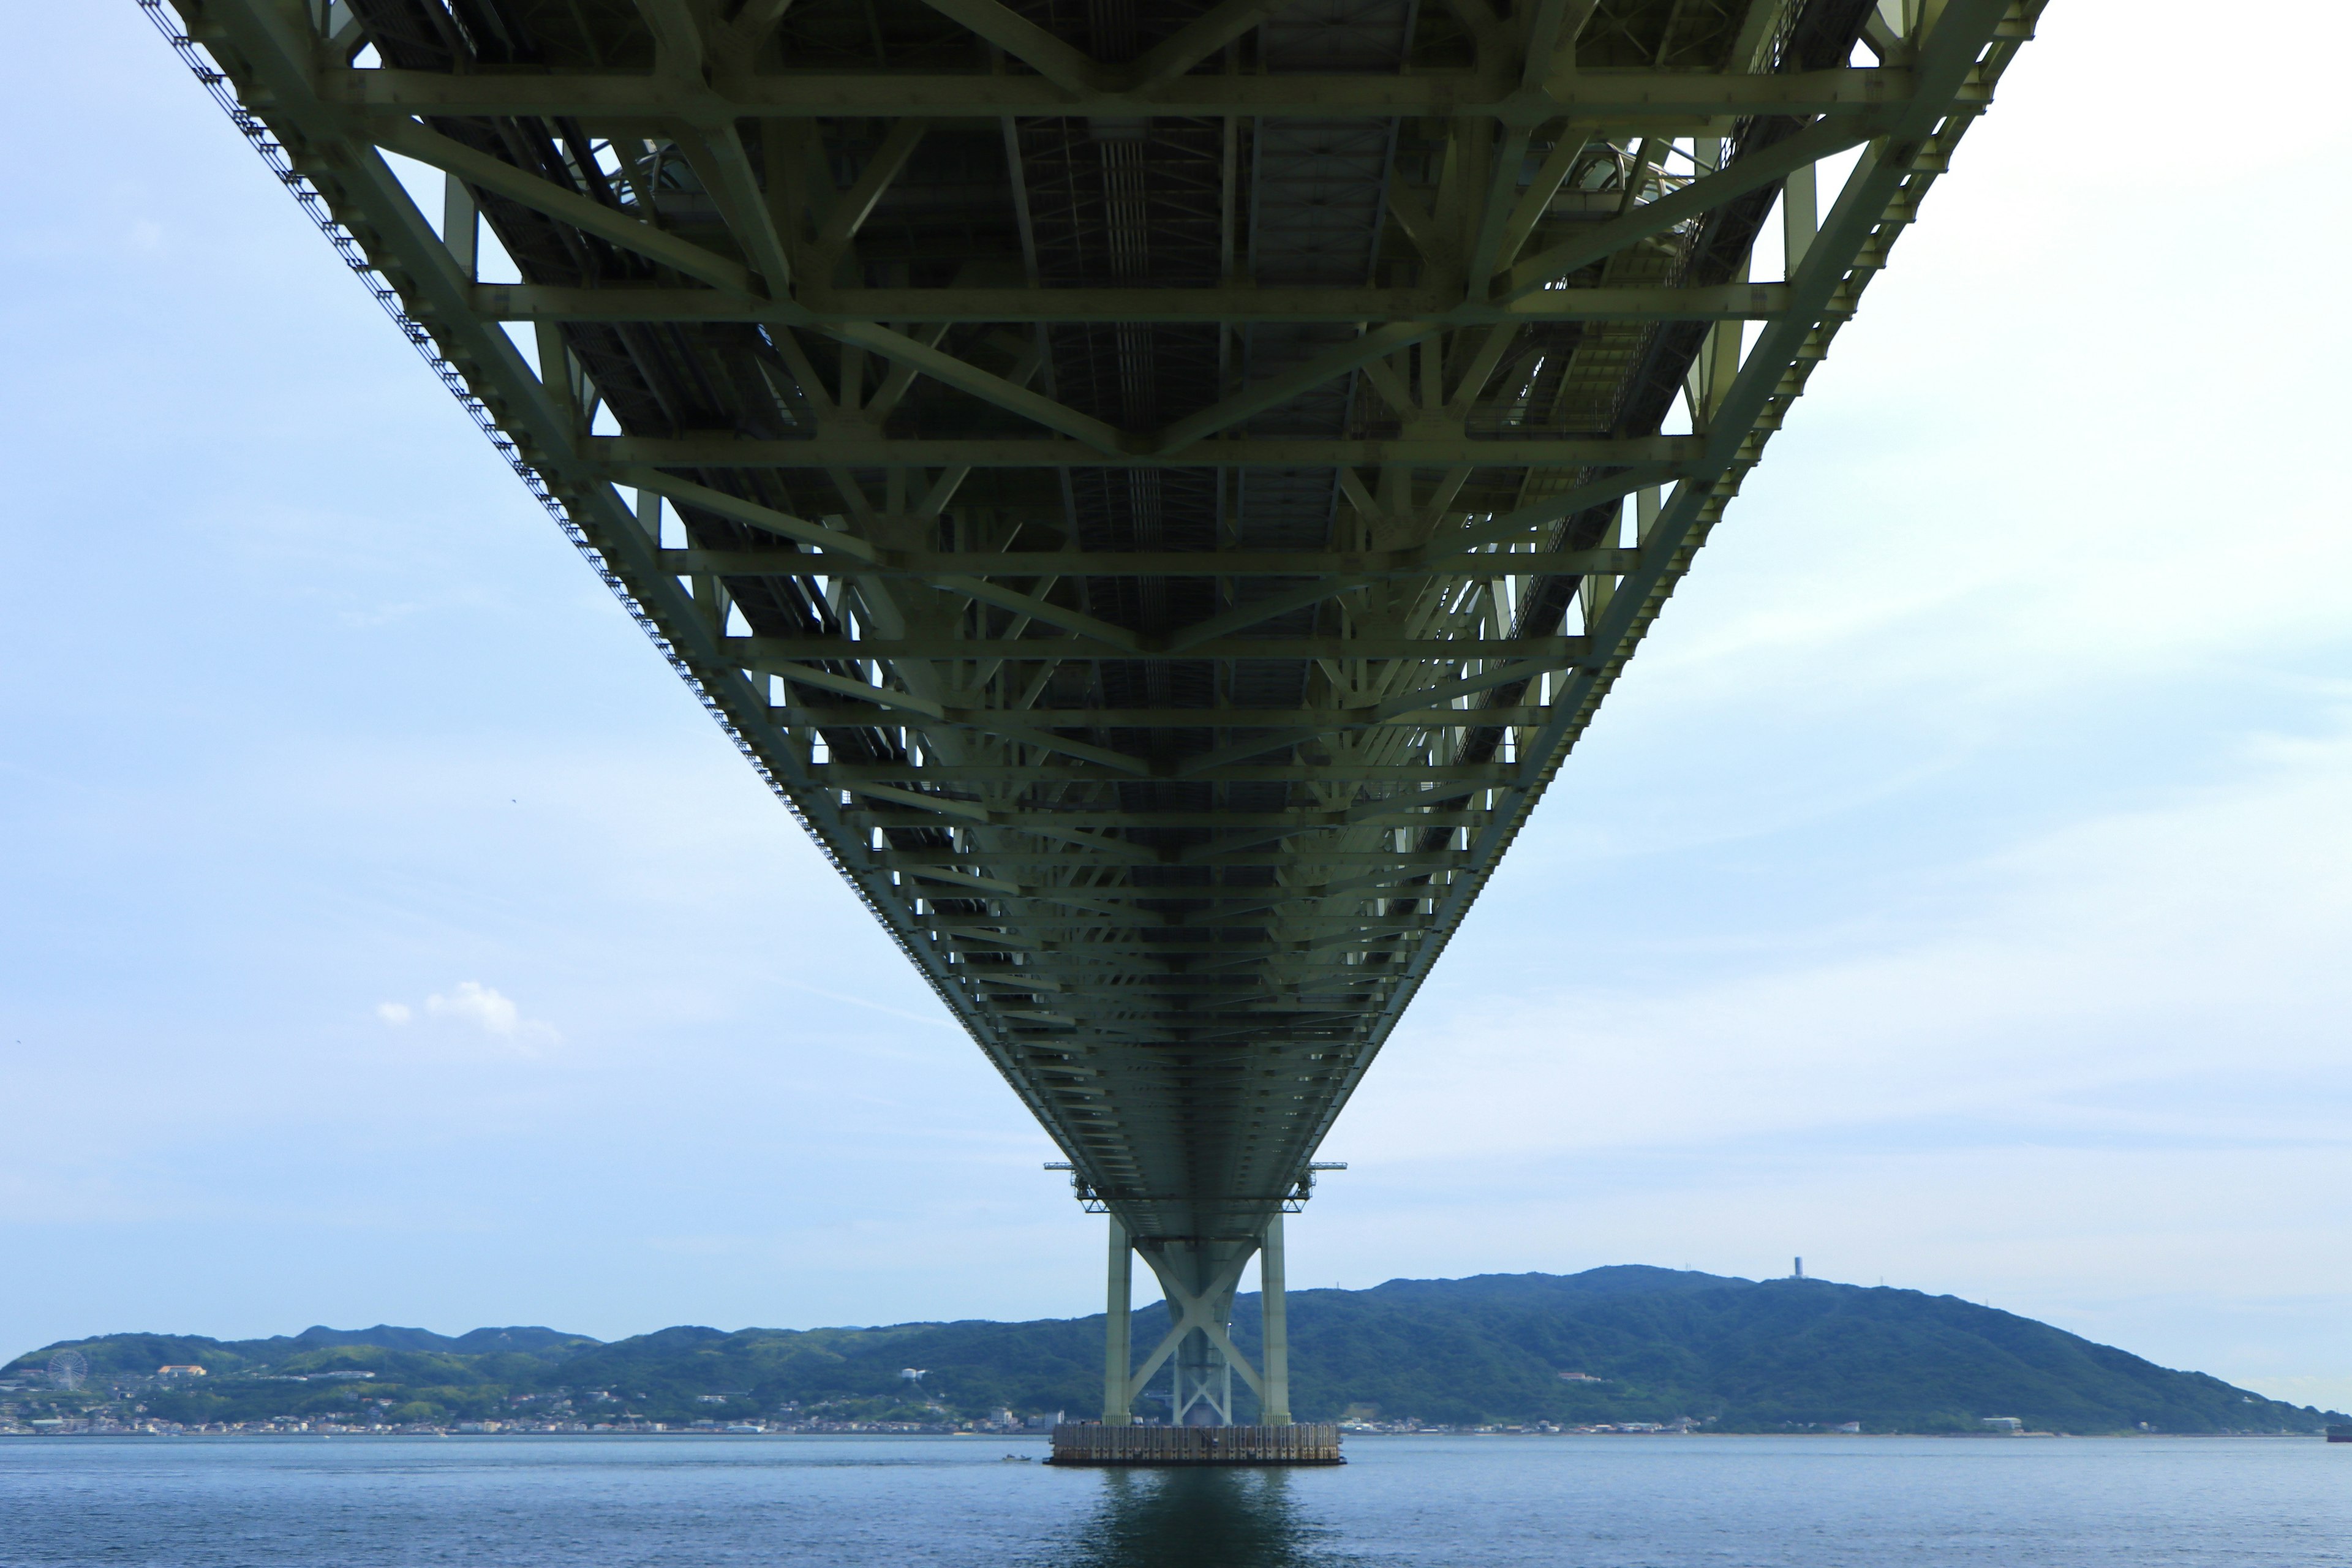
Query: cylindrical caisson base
[[1307, 1443]]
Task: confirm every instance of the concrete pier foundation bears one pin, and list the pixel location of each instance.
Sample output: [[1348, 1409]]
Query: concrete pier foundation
[[1308, 1443]]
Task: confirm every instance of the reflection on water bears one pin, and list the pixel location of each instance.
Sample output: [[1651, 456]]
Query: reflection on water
[[1193, 1517]]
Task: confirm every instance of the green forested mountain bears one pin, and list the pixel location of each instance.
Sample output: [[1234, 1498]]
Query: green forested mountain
[[1611, 1345]]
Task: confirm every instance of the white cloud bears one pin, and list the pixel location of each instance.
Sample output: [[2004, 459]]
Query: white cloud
[[394, 1011], [492, 1012]]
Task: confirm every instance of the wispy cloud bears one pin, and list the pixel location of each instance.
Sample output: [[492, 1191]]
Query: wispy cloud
[[491, 1012], [472, 1006]]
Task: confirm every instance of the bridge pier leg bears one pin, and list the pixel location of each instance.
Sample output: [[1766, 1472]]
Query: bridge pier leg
[[1118, 1349], [1277, 1331]]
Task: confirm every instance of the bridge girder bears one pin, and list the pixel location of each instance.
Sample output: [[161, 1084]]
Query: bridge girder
[[1158, 498]]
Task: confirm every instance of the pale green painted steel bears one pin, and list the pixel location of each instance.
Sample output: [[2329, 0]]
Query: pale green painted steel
[[1274, 1299], [1119, 1354], [1158, 491]]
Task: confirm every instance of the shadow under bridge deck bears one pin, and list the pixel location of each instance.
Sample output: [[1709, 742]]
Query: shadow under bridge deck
[[1159, 487]]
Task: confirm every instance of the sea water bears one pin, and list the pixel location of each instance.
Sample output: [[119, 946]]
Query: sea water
[[1465, 1502]]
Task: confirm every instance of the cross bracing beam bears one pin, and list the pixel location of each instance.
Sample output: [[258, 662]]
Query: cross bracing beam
[[776, 653], [1673, 456], [1224, 929], [959, 304], [1286, 772], [1314, 720], [1680, 102], [1413, 815], [1159, 509], [1349, 566], [916, 860], [1211, 911]]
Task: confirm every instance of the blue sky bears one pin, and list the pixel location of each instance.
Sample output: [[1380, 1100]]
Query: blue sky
[[1955, 892]]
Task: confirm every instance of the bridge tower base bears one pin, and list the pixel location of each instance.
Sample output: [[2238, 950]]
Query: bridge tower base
[[1203, 1360], [1087, 1443]]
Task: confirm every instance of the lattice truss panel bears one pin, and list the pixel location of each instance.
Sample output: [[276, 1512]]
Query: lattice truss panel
[[1159, 487]]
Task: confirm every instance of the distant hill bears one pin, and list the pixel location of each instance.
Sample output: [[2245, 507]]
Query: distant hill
[[1641, 1344]]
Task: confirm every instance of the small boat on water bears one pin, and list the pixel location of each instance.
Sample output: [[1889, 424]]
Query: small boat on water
[[2339, 1434]]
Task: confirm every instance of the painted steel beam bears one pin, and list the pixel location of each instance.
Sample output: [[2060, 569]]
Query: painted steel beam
[[1687, 100], [1676, 455], [758, 653], [1339, 771], [1026, 565], [1033, 859], [814, 305], [916, 710], [1408, 812]]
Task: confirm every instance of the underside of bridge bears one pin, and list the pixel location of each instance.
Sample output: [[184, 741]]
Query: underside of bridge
[[1159, 487]]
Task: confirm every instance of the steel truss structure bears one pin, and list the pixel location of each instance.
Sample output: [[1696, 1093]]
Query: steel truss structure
[[1158, 486]]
